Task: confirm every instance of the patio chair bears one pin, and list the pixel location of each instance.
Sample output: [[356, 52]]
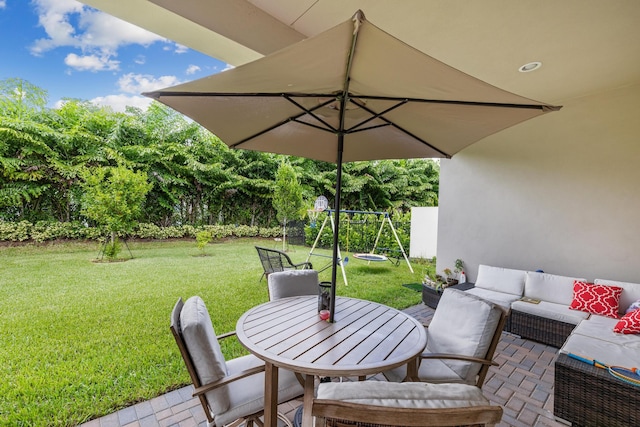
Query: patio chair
[[377, 403], [292, 283], [461, 340], [274, 260], [231, 392]]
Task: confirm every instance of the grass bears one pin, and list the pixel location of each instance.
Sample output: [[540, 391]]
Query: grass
[[81, 339]]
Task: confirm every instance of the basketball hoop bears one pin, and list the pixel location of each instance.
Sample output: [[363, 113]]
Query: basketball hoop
[[313, 216], [319, 205]]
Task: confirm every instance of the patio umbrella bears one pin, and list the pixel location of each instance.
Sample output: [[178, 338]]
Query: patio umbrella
[[350, 93]]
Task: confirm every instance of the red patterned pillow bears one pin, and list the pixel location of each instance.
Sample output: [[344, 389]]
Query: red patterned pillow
[[629, 324], [596, 299]]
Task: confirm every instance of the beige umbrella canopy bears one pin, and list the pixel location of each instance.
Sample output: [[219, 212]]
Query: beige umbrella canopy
[[350, 93]]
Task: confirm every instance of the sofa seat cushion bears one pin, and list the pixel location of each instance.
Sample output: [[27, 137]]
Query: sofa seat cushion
[[404, 395], [550, 310], [550, 287], [499, 279], [502, 299], [630, 292], [247, 394], [622, 354], [601, 327]]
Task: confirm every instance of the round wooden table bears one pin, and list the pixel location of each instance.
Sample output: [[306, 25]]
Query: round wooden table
[[366, 338]]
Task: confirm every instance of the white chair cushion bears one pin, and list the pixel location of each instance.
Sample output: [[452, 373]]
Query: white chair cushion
[[202, 344], [501, 279], [247, 395], [291, 283], [404, 395], [626, 354], [630, 292], [463, 324], [434, 370], [550, 287]]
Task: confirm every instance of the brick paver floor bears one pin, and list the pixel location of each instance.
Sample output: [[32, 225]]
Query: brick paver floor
[[522, 384]]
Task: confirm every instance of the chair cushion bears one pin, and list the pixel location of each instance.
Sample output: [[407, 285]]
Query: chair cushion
[[504, 300], [463, 324], [550, 287], [290, 283], [204, 349], [501, 279], [247, 394], [404, 395], [596, 299]]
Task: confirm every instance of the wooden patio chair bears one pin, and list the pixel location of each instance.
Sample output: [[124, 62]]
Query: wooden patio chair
[[274, 260], [378, 404], [231, 392]]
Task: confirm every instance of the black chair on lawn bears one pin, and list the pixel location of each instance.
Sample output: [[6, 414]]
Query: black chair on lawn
[[273, 260]]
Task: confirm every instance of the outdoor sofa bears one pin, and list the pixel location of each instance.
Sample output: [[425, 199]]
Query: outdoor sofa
[[579, 318]]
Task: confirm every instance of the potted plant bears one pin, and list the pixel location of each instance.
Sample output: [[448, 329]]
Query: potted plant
[[450, 277], [459, 271]]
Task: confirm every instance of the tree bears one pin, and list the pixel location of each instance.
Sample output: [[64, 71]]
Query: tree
[[113, 198], [287, 198]]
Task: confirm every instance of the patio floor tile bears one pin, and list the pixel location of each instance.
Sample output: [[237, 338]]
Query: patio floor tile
[[522, 385]]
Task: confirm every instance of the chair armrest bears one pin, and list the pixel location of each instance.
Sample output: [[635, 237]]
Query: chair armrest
[[226, 380], [306, 265], [458, 357], [226, 335]]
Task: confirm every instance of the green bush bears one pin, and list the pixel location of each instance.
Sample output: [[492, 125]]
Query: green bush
[[43, 231]]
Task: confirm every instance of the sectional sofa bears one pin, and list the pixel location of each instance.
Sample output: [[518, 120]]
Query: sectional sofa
[[579, 318]]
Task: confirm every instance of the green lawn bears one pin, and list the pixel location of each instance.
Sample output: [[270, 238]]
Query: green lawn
[[81, 339]]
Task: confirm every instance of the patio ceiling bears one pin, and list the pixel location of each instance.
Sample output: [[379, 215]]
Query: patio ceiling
[[586, 46]]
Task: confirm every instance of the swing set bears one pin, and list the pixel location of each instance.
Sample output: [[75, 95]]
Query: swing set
[[370, 256]]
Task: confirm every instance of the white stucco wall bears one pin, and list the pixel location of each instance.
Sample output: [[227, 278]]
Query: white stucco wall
[[559, 193], [424, 232]]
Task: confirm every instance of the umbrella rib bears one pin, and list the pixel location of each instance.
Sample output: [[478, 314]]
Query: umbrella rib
[[417, 138], [311, 113], [545, 107], [373, 115], [289, 119]]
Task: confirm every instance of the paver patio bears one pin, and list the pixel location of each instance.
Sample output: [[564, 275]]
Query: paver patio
[[522, 385]]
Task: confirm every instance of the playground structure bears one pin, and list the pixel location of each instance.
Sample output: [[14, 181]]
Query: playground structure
[[371, 256]]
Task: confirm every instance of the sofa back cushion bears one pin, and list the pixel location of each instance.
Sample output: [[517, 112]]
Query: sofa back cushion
[[550, 287], [501, 279], [630, 292]]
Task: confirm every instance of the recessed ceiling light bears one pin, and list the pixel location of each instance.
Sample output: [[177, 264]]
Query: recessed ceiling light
[[531, 66]]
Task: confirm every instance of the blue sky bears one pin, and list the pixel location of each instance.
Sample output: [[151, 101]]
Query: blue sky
[[74, 51]]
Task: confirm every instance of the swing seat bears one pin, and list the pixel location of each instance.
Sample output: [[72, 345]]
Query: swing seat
[[370, 257]]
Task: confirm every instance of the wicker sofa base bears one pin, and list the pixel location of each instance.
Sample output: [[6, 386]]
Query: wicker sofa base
[[537, 328], [589, 396]]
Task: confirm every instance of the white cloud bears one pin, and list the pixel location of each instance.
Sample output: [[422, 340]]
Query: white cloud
[[91, 62], [119, 103], [192, 69], [138, 83], [3, 4], [181, 48], [69, 23]]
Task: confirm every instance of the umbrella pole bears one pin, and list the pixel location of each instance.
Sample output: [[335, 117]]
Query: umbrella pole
[[336, 234]]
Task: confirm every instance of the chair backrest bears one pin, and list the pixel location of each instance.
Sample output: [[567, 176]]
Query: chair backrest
[[468, 325], [291, 283], [193, 331], [378, 403], [273, 260]]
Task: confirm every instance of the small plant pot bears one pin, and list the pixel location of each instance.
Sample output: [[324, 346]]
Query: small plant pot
[[451, 282]]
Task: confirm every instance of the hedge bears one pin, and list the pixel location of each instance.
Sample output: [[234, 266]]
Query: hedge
[[43, 231]]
